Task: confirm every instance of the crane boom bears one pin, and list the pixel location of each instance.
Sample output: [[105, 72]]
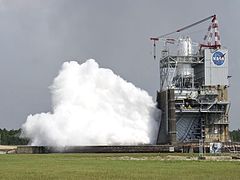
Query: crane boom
[[208, 37], [186, 27], [196, 23]]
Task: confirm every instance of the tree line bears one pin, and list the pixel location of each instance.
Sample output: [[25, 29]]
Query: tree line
[[12, 137], [235, 135]]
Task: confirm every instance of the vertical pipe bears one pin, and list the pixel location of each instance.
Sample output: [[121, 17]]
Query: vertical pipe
[[166, 108], [171, 117]]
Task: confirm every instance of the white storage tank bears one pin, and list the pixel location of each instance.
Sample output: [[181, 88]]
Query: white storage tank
[[185, 46]]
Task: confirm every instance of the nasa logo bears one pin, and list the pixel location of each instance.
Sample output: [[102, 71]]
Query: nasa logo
[[218, 58]]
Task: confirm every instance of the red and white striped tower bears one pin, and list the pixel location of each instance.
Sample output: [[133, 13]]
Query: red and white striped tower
[[216, 32], [212, 31], [207, 37]]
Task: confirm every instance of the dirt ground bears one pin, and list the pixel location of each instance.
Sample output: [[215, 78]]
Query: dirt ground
[[177, 157], [7, 149]]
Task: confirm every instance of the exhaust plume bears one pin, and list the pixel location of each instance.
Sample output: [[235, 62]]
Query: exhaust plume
[[93, 106]]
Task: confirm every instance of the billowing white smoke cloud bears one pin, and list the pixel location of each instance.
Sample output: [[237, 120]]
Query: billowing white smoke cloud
[[93, 106]]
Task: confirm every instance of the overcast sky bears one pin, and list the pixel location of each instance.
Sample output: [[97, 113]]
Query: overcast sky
[[37, 36]]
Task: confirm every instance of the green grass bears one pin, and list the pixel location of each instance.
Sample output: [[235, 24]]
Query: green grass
[[112, 166]]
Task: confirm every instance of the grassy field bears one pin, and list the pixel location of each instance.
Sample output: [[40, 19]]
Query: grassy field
[[112, 166]]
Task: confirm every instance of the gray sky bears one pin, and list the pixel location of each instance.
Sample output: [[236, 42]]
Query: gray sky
[[37, 36]]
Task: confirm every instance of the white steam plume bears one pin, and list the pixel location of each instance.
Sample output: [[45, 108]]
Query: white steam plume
[[93, 106]]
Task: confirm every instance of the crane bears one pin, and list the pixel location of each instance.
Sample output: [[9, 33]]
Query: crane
[[213, 27]]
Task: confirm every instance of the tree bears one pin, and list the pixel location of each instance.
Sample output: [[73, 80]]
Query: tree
[[12, 137], [235, 135]]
